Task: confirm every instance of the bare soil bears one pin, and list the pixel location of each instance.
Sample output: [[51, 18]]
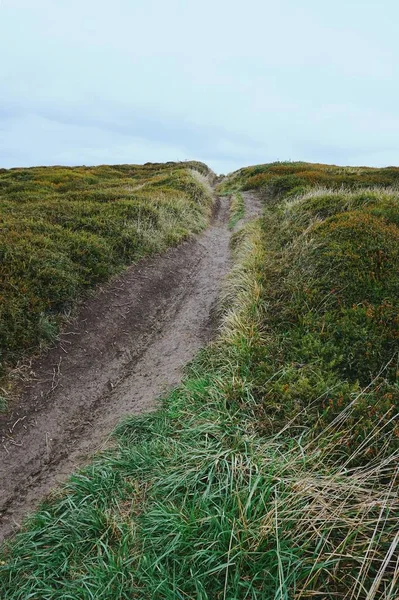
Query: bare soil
[[127, 345]]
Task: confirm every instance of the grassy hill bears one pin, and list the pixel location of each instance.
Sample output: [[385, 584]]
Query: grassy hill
[[271, 472], [281, 177], [64, 230]]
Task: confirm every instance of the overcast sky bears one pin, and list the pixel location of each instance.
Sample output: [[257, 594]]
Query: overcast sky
[[228, 82]]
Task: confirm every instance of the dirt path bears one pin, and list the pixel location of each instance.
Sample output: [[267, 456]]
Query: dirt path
[[127, 345]]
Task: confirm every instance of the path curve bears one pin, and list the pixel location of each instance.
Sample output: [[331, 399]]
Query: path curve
[[127, 345]]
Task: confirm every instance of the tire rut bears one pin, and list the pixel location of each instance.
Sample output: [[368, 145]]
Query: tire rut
[[127, 345]]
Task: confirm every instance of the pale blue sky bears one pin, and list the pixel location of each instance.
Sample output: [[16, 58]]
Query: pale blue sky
[[228, 82]]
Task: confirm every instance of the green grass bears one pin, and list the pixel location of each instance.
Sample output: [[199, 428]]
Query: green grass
[[279, 178], [237, 209], [65, 230], [271, 472], [333, 309]]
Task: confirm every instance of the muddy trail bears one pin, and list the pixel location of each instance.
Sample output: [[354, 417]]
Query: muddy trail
[[127, 345]]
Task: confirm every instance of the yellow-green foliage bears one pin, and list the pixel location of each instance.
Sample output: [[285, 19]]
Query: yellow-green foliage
[[237, 209], [331, 296], [281, 177], [63, 230]]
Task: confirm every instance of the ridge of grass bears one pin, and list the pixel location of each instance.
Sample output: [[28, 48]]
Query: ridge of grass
[[279, 178], [271, 472], [237, 209], [66, 229]]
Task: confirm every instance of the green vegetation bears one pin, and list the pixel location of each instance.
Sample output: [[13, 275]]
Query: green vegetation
[[237, 209], [271, 472], [64, 230], [279, 178]]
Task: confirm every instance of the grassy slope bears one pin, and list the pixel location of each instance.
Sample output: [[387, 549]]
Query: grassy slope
[[272, 471], [64, 230], [281, 177]]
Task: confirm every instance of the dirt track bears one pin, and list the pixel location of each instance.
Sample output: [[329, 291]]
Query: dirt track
[[127, 345]]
